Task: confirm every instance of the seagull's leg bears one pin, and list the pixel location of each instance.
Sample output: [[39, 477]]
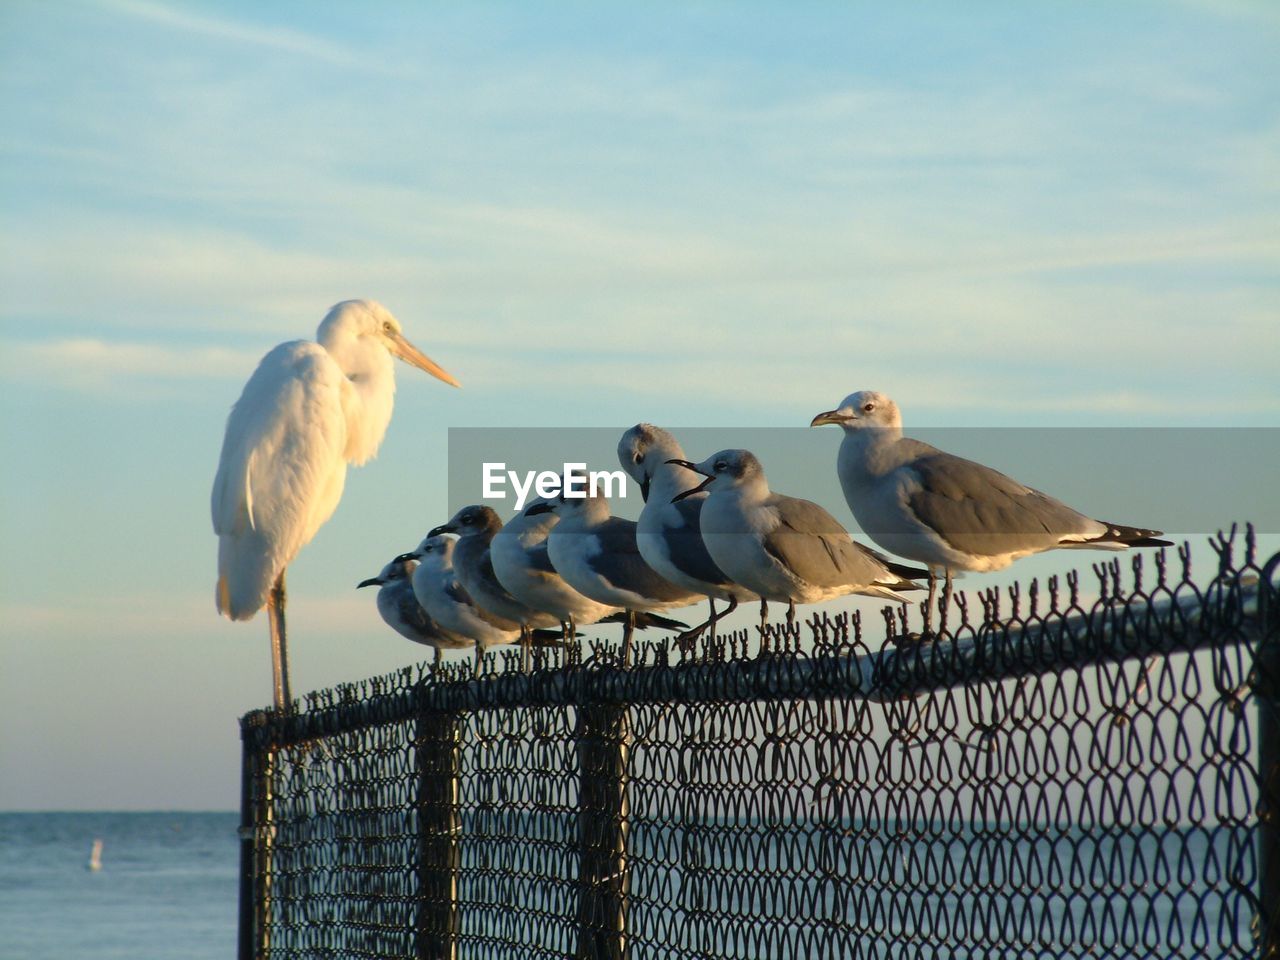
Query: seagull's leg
[[627, 631], [733, 605], [686, 639], [479, 658], [435, 665], [279, 653], [946, 601], [791, 613], [526, 647], [928, 607], [764, 613]]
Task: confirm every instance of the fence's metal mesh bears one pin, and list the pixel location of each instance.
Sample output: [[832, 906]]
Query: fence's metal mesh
[[1056, 777]]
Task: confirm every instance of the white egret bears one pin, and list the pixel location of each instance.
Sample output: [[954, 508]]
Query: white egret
[[306, 412]]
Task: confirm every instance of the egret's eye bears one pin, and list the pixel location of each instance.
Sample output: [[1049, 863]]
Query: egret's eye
[[868, 407], [387, 327]]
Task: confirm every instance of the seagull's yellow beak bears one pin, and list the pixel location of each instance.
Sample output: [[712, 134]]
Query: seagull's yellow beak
[[407, 352]]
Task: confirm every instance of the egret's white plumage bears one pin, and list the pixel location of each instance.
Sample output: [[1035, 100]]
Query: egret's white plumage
[[307, 411]]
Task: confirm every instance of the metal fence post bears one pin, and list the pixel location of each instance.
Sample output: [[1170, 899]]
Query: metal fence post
[[437, 738], [603, 739], [1266, 687], [256, 841]]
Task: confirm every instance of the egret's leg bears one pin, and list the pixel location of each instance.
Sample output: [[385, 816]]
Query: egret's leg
[[279, 652]]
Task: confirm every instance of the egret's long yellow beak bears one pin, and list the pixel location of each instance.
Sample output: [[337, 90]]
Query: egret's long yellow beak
[[407, 352]]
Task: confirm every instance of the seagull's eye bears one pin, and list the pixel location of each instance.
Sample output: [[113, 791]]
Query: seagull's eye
[[466, 521], [638, 457], [868, 407], [721, 466]]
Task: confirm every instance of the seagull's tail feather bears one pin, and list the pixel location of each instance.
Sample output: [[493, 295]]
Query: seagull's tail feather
[[548, 638], [645, 620], [906, 572], [889, 591], [1118, 537]]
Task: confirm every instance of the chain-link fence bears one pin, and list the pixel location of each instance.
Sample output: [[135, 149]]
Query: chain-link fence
[[1083, 769]]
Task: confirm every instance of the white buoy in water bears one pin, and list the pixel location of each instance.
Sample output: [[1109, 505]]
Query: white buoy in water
[[95, 855]]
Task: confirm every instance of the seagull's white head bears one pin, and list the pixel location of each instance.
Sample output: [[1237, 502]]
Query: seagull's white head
[[584, 505], [860, 410], [726, 470], [476, 520], [367, 321], [435, 552], [401, 568], [643, 450]]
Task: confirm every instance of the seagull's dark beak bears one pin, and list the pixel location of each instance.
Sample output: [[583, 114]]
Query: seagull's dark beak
[[644, 489], [539, 508], [690, 465], [371, 582], [692, 490], [443, 528], [830, 416], [403, 557]]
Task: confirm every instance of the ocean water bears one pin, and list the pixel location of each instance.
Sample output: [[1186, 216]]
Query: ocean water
[[167, 887]]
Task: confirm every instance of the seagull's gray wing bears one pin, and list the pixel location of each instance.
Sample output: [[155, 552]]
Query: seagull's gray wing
[[539, 559], [812, 544], [978, 510], [685, 547], [411, 612], [619, 562]]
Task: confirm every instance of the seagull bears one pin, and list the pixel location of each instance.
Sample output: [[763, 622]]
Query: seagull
[[596, 553], [436, 585], [401, 611], [784, 548], [667, 533], [522, 563], [476, 526], [308, 410], [947, 512]]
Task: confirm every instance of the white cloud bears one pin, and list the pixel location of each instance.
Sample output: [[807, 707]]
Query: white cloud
[[92, 365], [280, 39]]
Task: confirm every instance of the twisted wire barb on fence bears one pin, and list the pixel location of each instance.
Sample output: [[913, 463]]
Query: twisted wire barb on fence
[[1059, 775]]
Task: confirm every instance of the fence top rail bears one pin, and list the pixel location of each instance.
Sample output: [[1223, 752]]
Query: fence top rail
[[1159, 621]]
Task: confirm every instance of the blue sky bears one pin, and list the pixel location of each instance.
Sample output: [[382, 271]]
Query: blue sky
[[703, 215]]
